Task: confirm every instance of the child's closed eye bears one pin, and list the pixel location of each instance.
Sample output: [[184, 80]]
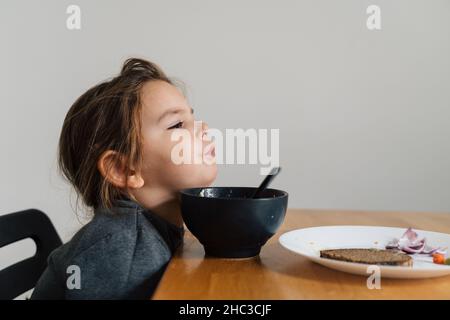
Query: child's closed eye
[[177, 125]]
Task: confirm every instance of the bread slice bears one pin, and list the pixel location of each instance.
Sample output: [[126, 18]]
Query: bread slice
[[369, 256]]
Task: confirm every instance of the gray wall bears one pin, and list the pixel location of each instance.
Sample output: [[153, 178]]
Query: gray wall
[[364, 116]]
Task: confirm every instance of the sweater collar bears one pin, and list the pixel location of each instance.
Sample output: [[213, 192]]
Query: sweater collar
[[125, 202]]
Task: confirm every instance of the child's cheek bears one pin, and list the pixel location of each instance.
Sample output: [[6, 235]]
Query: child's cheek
[[182, 142]]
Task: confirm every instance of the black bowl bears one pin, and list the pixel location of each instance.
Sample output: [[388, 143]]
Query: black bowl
[[228, 222]]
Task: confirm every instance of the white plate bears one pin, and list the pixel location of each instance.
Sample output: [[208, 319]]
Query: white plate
[[308, 243]]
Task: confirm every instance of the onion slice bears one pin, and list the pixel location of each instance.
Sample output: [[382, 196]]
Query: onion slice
[[411, 243]]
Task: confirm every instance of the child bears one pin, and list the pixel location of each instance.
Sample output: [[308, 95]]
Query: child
[[115, 149]]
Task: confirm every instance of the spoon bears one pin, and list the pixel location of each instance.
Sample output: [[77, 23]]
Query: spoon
[[267, 180]]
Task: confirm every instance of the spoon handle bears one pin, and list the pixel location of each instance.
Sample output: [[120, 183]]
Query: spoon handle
[[273, 173]]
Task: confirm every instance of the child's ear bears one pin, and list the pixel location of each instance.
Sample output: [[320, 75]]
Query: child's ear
[[112, 168]]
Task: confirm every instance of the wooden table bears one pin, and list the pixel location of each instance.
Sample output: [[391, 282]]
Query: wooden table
[[280, 274]]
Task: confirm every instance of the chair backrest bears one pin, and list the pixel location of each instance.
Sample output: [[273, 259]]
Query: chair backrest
[[22, 276]]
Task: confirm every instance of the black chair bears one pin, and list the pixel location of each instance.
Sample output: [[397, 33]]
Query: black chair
[[22, 276]]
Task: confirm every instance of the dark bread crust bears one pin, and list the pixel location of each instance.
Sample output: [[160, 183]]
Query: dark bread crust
[[369, 256]]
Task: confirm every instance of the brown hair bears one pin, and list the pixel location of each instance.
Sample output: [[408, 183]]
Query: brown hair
[[106, 117]]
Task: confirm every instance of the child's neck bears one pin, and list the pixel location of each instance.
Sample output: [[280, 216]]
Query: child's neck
[[170, 211], [163, 203]]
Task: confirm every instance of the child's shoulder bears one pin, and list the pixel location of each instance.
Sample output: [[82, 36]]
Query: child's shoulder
[[113, 234], [115, 253]]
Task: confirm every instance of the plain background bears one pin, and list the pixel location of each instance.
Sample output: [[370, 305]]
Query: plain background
[[364, 116]]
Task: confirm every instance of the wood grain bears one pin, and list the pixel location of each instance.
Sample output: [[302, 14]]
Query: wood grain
[[280, 274]]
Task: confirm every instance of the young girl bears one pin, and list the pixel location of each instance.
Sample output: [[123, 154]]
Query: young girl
[[115, 149]]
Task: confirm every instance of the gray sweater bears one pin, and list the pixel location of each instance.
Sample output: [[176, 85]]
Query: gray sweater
[[120, 255]]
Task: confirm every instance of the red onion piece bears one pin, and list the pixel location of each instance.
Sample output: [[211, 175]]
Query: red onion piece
[[411, 244]]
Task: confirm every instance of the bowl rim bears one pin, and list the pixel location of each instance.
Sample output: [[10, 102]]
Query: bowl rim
[[185, 193]]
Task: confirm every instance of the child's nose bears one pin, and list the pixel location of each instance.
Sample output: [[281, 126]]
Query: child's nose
[[204, 130]]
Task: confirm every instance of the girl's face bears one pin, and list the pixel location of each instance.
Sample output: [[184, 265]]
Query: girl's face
[[165, 112]]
